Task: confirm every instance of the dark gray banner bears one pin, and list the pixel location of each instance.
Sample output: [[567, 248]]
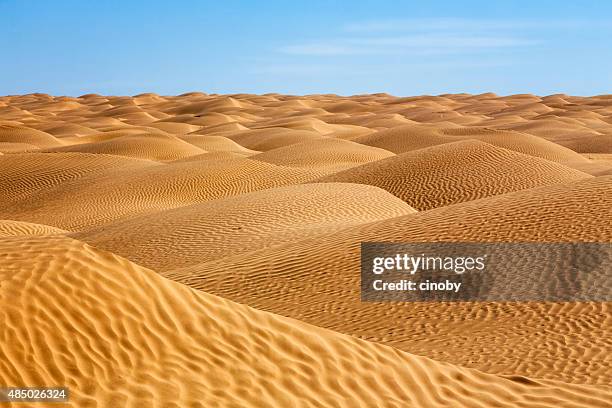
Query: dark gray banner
[[467, 271]]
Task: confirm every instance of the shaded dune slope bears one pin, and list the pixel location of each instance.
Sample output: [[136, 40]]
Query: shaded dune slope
[[215, 143], [271, 138]]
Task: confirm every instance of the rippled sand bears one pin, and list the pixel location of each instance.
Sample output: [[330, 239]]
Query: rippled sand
[[203, 250]]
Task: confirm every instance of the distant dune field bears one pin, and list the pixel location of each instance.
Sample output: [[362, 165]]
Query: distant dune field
[[203, 250]]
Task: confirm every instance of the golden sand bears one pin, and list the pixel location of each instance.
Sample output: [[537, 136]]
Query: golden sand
[[203, 250]]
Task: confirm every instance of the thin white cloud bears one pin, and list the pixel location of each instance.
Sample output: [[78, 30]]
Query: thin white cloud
[[444, 41], [417, 44], [444, 24], [320, 48], [432, 37], [426, 36]]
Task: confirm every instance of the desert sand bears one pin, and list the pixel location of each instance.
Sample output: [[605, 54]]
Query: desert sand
[[203, 250]]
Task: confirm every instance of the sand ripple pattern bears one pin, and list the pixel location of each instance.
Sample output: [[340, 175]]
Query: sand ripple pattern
[[318, 280], [120, 335]]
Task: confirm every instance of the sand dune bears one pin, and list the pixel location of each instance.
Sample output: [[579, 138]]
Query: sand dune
[[10, 147], [175, 128], [150, 146], [407, 138], [264, 201], [484, 170], [215, 143], [308, 124], [112, 132], [302, 270], [589, 143], [24, 175], [271, 138], [118, 193], [335, 153], [223, 127], [69, 129], [28, 136], [186, 348], [219, 228]]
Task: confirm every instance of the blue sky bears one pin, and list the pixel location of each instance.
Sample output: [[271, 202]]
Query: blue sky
[[302, 47]]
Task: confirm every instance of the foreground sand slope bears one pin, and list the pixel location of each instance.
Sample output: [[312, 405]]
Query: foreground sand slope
[[120, 335], [318, 280]]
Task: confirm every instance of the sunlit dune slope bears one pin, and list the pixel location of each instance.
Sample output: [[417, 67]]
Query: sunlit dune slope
[[28, 136], [455, 172], [219, 228], [150, 146], [24, 175], [271, 138], [215, 143], [119, 335], [328, 152], [11, 147], [410, 137], [9, 228], [117, 194]]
